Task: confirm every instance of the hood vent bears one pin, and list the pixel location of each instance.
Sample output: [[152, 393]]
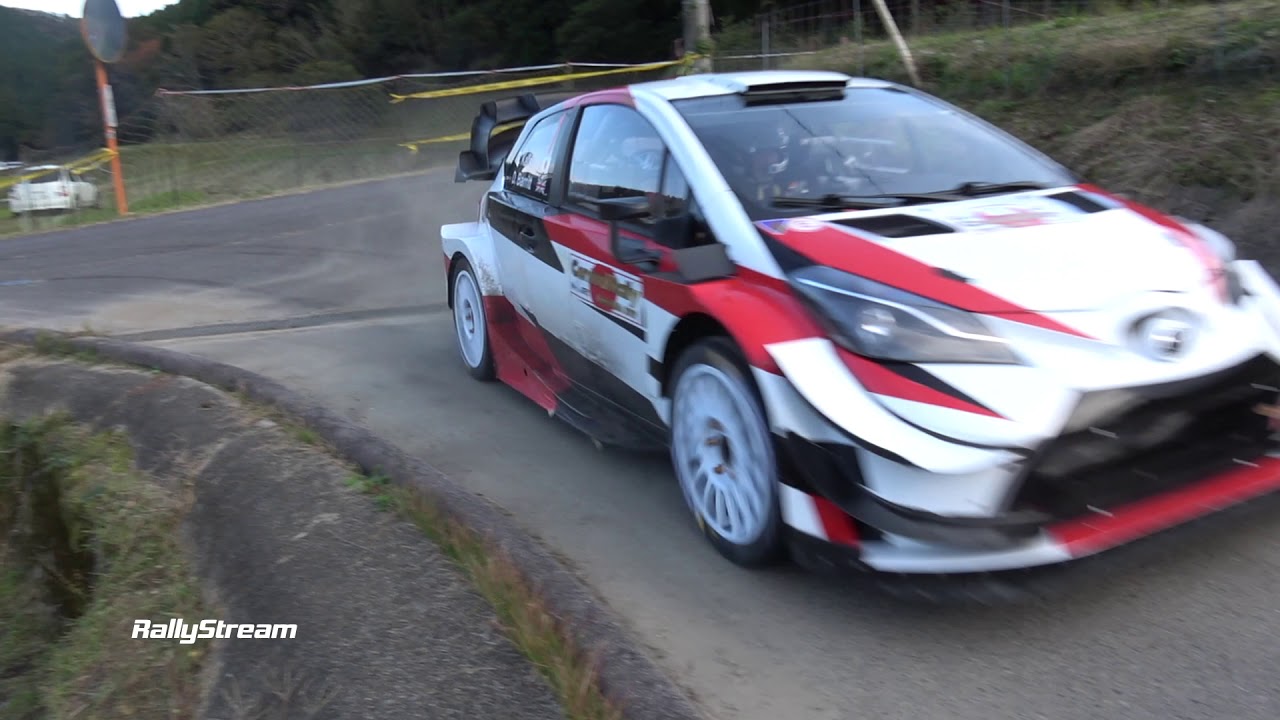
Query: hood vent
[[1079, 201], [895, 226]]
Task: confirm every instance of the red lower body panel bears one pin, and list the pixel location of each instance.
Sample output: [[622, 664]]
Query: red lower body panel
[[521, 354]]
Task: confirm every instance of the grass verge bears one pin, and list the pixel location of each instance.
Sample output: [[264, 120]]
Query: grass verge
[[524, 617], [88, 545]]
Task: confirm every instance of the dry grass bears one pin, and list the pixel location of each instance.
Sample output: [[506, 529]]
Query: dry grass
[[85, 664], [531, 626]]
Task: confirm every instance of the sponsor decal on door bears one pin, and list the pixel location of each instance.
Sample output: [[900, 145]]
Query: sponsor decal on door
[[612, 291]]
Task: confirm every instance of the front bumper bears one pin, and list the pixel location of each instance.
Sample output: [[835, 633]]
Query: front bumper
[[1130, 462]]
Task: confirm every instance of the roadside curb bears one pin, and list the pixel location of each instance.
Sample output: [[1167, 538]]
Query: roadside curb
[[626, 676]]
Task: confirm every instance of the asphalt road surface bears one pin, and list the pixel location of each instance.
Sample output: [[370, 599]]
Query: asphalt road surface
[[340, 294]]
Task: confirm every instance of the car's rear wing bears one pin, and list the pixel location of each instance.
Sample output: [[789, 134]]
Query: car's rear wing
[[495, 129]]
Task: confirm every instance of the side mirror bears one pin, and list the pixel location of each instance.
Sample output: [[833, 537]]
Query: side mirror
[[625, 208], [627, 250], [676, 232]]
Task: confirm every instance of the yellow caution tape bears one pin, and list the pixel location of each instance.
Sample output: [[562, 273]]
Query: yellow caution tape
[[81, 165], [412, 146], [459, 137], [532, 82]]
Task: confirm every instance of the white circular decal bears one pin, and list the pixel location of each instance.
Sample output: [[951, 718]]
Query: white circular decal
[[804, 225]]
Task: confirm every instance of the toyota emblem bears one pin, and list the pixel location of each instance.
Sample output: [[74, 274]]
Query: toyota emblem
[[1165, 336]]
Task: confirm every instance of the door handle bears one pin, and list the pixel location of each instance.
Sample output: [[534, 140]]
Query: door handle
[[528, 236]]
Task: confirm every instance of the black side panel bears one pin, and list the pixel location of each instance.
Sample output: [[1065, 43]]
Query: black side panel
[[604, 407], [519, 220]]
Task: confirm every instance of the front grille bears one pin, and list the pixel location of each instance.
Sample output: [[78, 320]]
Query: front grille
[[1124, 445]]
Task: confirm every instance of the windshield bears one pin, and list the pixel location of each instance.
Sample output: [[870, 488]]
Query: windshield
[[875, 141], [46, 176]]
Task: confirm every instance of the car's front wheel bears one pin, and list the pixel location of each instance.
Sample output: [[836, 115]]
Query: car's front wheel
[[471, 325], [723, 456]]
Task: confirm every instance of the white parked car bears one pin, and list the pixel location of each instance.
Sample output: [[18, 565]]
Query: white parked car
[[53, 188]]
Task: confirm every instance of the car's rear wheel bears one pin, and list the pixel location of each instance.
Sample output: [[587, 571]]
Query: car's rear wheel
[[722, 453], [471, 325]]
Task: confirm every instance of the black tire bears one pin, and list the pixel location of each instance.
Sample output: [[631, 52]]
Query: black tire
[[765, 545], [471, 301]]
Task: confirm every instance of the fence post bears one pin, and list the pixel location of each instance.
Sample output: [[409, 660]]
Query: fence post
[[857, 34], [1006, 11], [764, 41], [1220, 46], [173, 175]]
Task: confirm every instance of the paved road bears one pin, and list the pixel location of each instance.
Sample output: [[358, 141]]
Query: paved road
[[1194, 635]]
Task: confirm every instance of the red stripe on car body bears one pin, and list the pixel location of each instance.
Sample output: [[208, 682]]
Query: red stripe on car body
[[841, 249], [880, 380], [1144, 517], [836, 523], [615, 95]]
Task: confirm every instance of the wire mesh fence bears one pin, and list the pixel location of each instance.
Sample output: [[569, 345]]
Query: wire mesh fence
[[187, 148]]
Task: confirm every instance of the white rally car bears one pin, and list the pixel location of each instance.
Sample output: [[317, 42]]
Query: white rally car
[[870, 327]]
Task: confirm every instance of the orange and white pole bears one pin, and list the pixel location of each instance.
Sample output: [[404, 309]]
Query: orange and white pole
[[109, 124]]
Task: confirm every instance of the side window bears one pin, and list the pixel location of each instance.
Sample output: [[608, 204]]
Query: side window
[[616, 154], [529, 167]]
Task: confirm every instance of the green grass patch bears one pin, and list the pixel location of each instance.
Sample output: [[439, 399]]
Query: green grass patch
[[89, 545]]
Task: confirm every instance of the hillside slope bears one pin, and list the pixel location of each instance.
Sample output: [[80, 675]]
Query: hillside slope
[[35, 48], [1179, 108]]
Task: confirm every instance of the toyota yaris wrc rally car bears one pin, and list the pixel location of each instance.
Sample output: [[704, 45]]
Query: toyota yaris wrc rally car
[[868, 326]]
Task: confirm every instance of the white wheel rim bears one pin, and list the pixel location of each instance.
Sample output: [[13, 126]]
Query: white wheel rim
[[722, 454], [468, 319]]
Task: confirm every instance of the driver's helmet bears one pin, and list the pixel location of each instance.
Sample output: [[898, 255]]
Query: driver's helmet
[[766, 149]]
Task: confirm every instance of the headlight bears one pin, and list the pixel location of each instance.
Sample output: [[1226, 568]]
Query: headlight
[[1225, 252], [881, 322]]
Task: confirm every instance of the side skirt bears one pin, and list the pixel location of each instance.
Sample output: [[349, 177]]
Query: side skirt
[[534, 363]]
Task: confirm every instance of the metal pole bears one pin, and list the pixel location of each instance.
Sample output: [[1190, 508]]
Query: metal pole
[[109, 124], [703, 16], [697, 31], [764, 42], [1008, 69], [857, 33]]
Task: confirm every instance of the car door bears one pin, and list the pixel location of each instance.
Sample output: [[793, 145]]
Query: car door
[[527, 264], [616, 153]]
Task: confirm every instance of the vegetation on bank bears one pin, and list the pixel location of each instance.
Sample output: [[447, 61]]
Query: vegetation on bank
[[87, 546], [1178, 107]]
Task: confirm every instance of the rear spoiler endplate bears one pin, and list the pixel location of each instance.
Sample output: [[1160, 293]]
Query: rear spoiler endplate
[[507, 117]]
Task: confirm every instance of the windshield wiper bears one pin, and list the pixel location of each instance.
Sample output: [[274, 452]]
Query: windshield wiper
[[858, 202], [974, 188]]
